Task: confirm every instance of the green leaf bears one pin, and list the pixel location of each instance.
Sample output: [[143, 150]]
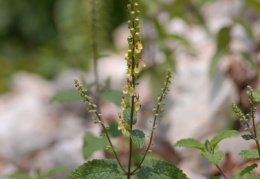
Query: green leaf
[[223, 135], [257, 95], [112, 95], [97, 169], [20, 175], [252, 176], [127, 115], [214, 61], [253, 153], [189, 143], [241, 173], [113, 130], [91, 144], [223, 38], [138, 137], [66, 95], [247, 137], [158, 169], [214, 177], [255, 4], [182, 39], [215, 157], [53, 171]]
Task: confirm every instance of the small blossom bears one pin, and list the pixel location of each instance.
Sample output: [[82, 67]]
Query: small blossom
[[137, 105], [131, 91], [142, 64], [123, 104], [138, 47], [129, 72], [121, 126], [125, 89], [136, 69]]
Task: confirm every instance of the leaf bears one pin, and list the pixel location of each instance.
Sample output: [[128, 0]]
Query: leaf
[[223, 38], [91, 144], [214, 61], [138, 137], [255, 4], [97, 169], [189, 143], [158, 169], [256, 94], [112, 95], [223, 135], [113, 130], [252, 176], [214, 177], [247, 137], [182, 39], [53, 171], [253, 153], [127, 115], [215, 157], [241, 173], [20, 175], [66, 95]]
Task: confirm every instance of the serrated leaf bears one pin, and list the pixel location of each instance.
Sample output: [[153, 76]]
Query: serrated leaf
[[113, 130], [241, 173], [92, 144], [97, 169], [53, 171], [223, 135], [158, 169], [20, 175], [257, 95], [253, 153], [190, 143], [247, 137], [215, 157], [127, 115], [112, 95], [66, 95], [138, 137], [252, 176]]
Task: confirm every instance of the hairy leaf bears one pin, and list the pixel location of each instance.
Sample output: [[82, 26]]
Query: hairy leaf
[[241, 173], [20, 175], [223, 135], [112, 95], [97, 169], [66, 95], [158, 169], [190, 143], [247, 137], [113, 130], [215, 157], [91, 144], [253, 153], [127, 115], [138, 137]]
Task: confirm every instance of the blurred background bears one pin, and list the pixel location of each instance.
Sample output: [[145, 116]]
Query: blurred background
[[213, 47]]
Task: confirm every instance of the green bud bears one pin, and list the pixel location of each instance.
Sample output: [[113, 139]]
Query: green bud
[[136, 22], [130, 24], [137, 28], [132, 30], [133, 14], [129, 39], [129, 7]]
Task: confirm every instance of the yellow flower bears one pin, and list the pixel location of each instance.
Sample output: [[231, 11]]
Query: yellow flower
[[137, 105], [142, 63], [138, 47], [131, 91], [123, 104], [129, 72], [125, 89], [136, 70], [121, 126]]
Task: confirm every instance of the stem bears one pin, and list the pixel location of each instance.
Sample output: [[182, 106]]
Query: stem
[[222, 173], [95, 50], [153, 128]]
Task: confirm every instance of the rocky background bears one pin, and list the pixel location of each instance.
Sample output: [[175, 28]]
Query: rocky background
[[38, 133]]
